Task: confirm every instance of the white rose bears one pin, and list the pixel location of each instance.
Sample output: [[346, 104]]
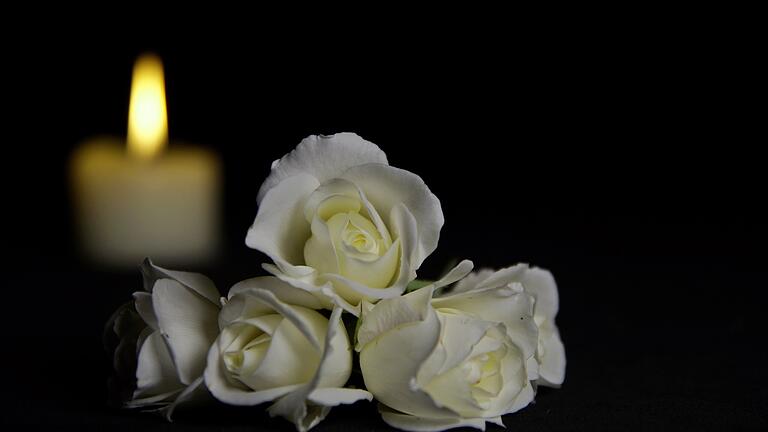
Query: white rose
[[178, 311], [436, 367], [338, 221], [274, 346], [540, 284]]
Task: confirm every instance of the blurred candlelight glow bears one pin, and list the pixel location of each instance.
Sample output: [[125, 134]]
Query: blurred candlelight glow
[[147, 116], [127, 208]]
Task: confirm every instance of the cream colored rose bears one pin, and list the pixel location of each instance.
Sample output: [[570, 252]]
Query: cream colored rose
[[275, 347], [538, 283], [435, 367], [345, 241], [178, 312], [339, 222]]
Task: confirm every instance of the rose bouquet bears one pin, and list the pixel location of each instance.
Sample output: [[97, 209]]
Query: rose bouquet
[[346, 233]]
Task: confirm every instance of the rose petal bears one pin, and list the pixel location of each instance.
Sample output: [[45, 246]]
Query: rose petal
[[162, 400], [517, 392], [280, 230], [324, 293], [345, 292], [541, 284], [293, 407], [333, 370], [386, 186], [122, 337], [303, 281], [391, 313], [195, 281], [320, 250], [409, 422], [143, 304], [521, 394], [188, 322], [338, 396], [439, 377], [506, 304], [336, 300], [332, 188], [233, 393], [472, 280], [353, 292], [336, 362], [523, 399], [455, 274], [155, 372], [349, 189], [294, 314], [552, 358], [289, 358], [283, 291], [503, 276], [222, 389], [376, 274], [458, 336], [323, 157], [194, 391], [395, 342]]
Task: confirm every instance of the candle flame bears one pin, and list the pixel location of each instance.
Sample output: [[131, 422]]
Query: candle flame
[[147, 117]]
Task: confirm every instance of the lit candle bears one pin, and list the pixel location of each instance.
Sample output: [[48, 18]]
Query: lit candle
[[148, 201]]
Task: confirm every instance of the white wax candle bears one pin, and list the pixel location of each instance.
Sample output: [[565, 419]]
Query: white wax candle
[[166, 208], [141, 200]]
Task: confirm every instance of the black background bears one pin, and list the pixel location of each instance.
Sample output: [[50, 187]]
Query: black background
[[624, 163]]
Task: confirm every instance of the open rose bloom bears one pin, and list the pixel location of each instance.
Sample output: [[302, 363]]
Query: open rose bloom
[[170, 325], [341, 223], [435, 365], [471, 294], [275, 347]]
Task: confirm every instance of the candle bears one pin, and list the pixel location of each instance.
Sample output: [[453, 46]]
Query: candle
[[144, 199]]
